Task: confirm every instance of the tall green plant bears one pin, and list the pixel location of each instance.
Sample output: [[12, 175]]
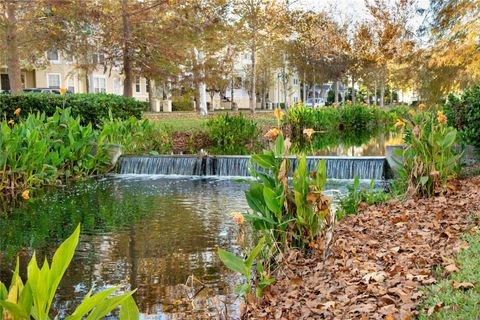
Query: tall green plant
[[429, 159], [288, 216], [33, 298]]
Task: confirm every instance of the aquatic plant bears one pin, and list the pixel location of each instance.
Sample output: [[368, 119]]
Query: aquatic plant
[[34, 297]]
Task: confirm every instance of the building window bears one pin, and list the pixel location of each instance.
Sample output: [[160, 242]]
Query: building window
[[98, 58], [53, 56], [71, 85], [295, 81], [53, 80], [99, 84], [295, 99], [117, 86], [137, 85]]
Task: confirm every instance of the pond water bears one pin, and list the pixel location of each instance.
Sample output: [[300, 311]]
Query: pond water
[[348, 143], [147, 232]]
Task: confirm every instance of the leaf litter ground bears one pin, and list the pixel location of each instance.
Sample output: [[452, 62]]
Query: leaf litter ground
[[381, 259]]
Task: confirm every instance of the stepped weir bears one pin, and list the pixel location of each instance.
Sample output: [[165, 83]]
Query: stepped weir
[[237, 166]]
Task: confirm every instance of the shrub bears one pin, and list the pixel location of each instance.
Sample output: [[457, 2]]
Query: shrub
[[91, 108], [232, 134], [34, 298], [429, 160], [354, 118], [182, 104], [136, 136], [47, 150], [463, 113]]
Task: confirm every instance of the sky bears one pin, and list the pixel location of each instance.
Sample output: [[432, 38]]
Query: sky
[[352, 8]]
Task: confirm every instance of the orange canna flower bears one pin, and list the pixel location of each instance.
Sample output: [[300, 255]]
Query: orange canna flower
[[17, 112], [278, 113], [11, 122], [272, 134], [238, 217], [422, 107], [26, 194], [62, 91], [411, 113], [400, 124], [441, 117]]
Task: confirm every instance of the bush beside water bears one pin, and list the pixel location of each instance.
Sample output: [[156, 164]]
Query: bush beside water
[[42, 150], [91, 108]]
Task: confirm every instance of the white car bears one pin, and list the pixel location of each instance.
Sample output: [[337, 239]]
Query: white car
[[315, 103]]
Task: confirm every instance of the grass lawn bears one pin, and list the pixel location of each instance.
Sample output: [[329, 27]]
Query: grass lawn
[[457, 296], [187, 121]]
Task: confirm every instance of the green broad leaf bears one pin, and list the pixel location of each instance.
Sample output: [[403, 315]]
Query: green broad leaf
[[106, 306], [254, 217], [321, 177], [272, 201], [3, 296], [242, 289], [266, 160], [254, 253], [89, 303], [449, 139], [254, 203], [129, 310], [423, 180], [232, 262], [60, 262], [279, 146], [17, 310]]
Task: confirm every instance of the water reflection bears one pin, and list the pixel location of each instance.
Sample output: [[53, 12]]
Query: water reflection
[[147, 232], [348, 143]]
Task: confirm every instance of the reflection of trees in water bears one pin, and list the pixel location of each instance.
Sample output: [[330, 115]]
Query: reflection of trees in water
[[366, 142], [146, 235]]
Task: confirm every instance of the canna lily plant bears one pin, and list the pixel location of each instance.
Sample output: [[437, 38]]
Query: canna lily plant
[[33, 299]]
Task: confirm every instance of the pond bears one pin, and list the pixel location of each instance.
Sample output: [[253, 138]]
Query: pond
[[348, 143], [138, 231]]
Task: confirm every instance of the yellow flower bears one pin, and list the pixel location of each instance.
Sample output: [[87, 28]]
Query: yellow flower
[[272, 134], [411, 113], [26, 194], [441, 117], [399, 124], [62, 91], [308, 132], [278, 114], [17, 112], [11, 122], [238, 217], [422, 107]]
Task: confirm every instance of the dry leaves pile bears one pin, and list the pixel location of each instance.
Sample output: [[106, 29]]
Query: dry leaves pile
[[380, 259]]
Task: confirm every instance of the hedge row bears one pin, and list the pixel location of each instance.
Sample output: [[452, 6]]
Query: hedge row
[[91, 108], [463, 112]]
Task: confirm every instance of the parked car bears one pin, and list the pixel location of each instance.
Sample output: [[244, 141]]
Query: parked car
[[45, 90], [315, 103]]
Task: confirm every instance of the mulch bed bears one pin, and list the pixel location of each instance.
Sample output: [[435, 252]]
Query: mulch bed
[[379, 262]]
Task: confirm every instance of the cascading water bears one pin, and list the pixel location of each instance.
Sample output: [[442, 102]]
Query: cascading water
[[337, 167]]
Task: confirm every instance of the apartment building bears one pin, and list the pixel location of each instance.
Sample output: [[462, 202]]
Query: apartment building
[[61, 72]]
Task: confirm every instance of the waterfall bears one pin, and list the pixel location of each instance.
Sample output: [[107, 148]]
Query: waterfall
[[224, 166]]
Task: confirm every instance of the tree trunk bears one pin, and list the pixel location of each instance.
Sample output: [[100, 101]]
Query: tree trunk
[[253, 85], [353, 90], [232, 92], [151, 93], [212, 96], [336, 92], [202, 87], [304, 88], [382, 93], [13, 60], [127, 58], [375, 94]]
